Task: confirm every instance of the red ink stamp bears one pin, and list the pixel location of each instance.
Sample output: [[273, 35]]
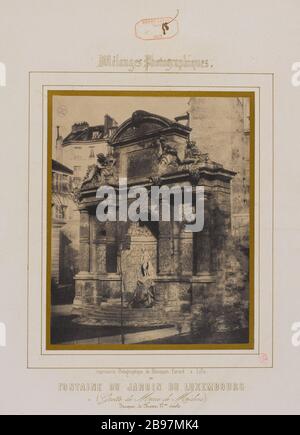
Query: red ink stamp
[[150, 29]]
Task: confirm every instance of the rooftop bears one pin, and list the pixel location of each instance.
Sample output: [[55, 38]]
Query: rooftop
[[83, 132], [86, 134]]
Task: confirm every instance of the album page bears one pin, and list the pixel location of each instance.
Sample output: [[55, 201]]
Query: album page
[[150, 222]]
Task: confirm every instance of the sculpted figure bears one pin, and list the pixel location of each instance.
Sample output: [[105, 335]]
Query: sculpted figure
[[144, 295], [167, 154], [103, 168], [147, 268], [192, 151]]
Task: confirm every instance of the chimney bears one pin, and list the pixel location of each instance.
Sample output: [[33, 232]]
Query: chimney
[[109, 125], [185, 119], [80, 126]]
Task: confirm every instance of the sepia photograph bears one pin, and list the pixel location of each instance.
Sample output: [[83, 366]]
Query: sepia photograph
[[150, 220]]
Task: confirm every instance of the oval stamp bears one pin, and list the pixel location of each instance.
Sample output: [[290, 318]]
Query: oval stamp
[[150, 29], [264, 359], [62, 110]]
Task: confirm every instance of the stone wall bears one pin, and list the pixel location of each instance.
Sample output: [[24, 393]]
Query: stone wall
[[221, 128]]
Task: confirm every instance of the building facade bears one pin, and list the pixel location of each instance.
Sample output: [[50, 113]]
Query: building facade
[[80, 147], [61, 261]]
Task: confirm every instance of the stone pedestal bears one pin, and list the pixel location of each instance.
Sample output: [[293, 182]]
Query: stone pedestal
[[86, 290], [93, 289], [173, 292], [203, 299]]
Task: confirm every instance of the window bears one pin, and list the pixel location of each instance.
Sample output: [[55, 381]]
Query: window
[[96, 135], [92, 153]]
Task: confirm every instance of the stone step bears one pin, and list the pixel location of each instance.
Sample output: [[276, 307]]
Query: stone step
[[133, 322], [126, 311], [105, 316], [132, 314], [137, 317], [125, 308], [134, 317]]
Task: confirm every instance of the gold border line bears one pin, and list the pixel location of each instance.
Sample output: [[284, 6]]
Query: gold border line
[[49, 217]]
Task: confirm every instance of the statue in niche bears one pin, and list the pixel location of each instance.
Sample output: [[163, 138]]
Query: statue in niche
[[147, 268], [144, 294]]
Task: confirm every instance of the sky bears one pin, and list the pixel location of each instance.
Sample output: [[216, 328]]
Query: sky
[[67, 110]]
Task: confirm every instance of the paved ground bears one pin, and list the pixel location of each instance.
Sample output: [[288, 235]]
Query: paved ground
[[130, 338], [65, 330], [238, 337]]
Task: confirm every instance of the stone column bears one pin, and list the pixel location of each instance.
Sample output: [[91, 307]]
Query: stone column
[[84, 251], [204, 287], [93, 244], [186, 253], [101, 247], [98, 246], [166, 243], [165, 249]]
